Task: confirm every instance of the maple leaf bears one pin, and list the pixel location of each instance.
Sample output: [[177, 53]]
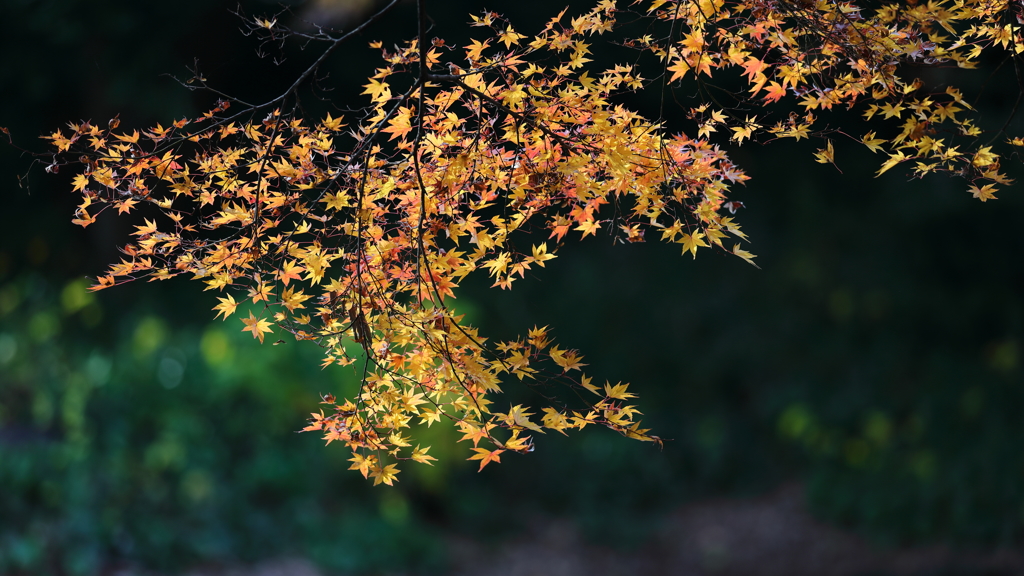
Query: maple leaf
[[618, 391], [567, 359], [335, 124], [400, 125], [261, 291], [890, 110], [541, 255], [133, 138], [289, 271], [385, 475], [589, 227], [85, 219], [474, 433], [293, 299], [826, 156], [555, 420], [398, 441], [510, 37], [420, 455], [559, 231], [691, 242], [79, 182], [337, 200], [149, 228], [475, 49], [741, 133], [984, 193], [745, 255], [984, 157], [893, 160], [428, 417], [679, 68], [585, 382], [226, 307], [378, 91], [485, 457], [362, 463], [874, 144], [102, 282], [371, 229], [257, 326], [775, 92], [125, 206], [519, 417]]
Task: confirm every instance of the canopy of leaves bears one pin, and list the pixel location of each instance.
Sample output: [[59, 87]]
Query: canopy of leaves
[[356, 232]]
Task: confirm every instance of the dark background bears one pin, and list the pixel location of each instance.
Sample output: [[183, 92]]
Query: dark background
[[874, 358]]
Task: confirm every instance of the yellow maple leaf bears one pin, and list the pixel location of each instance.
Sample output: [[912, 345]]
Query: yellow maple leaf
[[585, 382], [874, 144], [510, 37], [589, 227], [333, 124], [745, 255], [986, 192], [385, 475], [226, 307], [517, 416], [826, 156], [378, 91], [567, 359], [893, 160], [257, 326], [741, 133], [618, 391], [80, 182], [984, 157], [690, 242], [420, 455]]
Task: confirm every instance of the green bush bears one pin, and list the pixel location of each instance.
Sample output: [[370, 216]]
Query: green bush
[[130, 438]]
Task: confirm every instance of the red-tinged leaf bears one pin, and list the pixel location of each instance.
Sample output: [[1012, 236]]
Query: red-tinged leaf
[[775, 92], [486, 456]]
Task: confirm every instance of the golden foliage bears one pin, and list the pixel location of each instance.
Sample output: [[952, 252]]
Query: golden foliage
[[360, 230]]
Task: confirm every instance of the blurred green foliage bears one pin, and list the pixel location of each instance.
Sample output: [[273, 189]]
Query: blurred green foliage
[[125, 437]]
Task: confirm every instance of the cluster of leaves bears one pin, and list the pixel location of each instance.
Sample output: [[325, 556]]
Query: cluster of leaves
[[826, 55], [355, 233]]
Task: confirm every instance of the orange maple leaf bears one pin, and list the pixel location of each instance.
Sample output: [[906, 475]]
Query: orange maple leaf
[[400, 125], [485, 456], [775, 92]]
